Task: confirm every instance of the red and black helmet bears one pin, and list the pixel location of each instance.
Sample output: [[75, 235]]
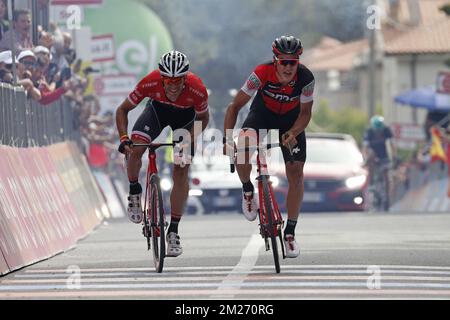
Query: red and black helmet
[[287, 45]]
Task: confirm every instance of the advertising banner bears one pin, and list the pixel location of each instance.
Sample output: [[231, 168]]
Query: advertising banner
[[138, 45], [3, 266], [87, 203], [47, 203]]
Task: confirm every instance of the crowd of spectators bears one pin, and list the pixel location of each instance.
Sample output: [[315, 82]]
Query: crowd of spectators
[[46, 70], [51, 70]]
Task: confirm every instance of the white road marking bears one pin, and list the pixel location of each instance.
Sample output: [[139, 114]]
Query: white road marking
[[245, 279], [245, 265], [284, 267], [229, 285], [249, 278], [242, 271], [249, 293]]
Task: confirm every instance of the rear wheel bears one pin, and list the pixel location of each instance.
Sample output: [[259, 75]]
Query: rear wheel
[[157, 223], [270, 223], [387, 190]]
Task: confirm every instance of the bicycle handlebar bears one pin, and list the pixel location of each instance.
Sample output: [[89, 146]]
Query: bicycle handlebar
[[157, 145], [266, 147]]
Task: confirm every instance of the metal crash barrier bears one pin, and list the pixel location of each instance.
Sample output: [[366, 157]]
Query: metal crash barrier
[[27, 123]]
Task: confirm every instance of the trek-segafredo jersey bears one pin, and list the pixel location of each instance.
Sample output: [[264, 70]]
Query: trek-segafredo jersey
[[194, 94]]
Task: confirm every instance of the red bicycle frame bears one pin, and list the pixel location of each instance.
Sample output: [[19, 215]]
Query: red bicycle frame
[[277, 219]]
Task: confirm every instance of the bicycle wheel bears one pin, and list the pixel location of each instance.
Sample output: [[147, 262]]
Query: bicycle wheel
[[387, 190], [271, 227], [373, 199], [157, 223]]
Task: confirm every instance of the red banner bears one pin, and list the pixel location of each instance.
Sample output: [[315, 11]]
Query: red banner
[[37, 219], [22, 229], [3, 266], [75, 174], [48, 200], [61, 214]]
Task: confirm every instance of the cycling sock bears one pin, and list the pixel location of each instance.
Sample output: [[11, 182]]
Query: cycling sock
[[248, 186], [135, 187], [173, 227], [290, 227]]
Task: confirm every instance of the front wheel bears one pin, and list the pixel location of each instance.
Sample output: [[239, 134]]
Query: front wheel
[[157, 223], [270, 223]]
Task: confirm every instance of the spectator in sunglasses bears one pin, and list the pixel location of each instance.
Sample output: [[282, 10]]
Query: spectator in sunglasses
[[6, 60], [49, 69], [26, 61]]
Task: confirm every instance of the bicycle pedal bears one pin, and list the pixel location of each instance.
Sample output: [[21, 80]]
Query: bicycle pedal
[[146, 232]]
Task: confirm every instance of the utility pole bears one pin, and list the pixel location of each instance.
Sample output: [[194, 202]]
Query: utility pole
[[372, 66], [11, 7], [414, 84]]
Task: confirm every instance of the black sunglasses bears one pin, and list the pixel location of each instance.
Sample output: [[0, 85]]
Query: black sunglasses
[[287, 62], [29, 64]]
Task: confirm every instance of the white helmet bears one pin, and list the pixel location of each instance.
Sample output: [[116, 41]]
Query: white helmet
[[173, 64]]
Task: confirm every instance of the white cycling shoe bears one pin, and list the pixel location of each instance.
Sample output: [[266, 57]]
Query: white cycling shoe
[[291, 246], [249, 206], [174, 248], [135, 213]]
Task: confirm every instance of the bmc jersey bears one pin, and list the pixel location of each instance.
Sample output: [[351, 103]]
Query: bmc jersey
[[194, 94], [276, 97]]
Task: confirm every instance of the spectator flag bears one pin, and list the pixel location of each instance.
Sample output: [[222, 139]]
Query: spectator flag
[[436, 150]]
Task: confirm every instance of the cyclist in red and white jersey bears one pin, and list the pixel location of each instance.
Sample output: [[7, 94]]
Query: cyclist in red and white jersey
[[177, 99], [284, 97]]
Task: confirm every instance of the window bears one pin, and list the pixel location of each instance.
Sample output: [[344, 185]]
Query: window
[[334, 82]]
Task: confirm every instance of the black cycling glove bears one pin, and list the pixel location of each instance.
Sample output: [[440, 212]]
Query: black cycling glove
[[125, 142]]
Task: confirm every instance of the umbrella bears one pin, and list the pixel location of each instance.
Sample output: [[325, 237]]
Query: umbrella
[[426, 98]]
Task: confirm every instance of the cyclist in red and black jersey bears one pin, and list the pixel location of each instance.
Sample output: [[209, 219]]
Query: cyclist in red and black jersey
[[177, 98], [284, 97]]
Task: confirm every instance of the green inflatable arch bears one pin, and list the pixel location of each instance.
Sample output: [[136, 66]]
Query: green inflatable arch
[[140, 37]]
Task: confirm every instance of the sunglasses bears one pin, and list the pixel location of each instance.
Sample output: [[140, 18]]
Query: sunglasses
[[173, 81], [287, 62], [28, 63]]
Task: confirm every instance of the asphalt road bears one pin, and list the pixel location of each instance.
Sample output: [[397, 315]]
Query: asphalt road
[[343, 256]]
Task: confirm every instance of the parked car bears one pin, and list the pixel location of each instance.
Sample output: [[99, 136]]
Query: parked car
[[334, 175], [213, 188]]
